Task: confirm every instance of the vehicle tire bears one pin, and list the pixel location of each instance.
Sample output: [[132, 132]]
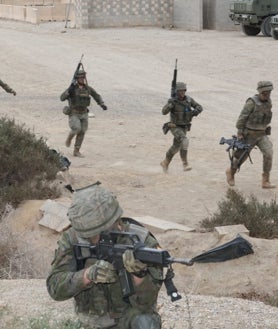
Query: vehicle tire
[[250, 30], [274, 34], [266, 27]]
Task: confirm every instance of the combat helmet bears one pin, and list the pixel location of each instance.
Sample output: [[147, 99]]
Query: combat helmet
[[264, 86], [93, 210], [80, 74], [180, 86]]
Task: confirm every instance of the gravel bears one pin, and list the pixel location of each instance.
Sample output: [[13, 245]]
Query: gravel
[[26, 299]]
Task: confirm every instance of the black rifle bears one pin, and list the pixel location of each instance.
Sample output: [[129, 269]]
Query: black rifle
[[174, 81], [165, 127], [73, 81], [107, 249], [234, 145]]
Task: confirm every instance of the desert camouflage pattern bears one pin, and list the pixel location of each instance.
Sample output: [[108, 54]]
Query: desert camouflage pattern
[[102, 305], [252, 123]]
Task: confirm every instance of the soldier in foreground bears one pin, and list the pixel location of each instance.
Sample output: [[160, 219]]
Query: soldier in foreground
[[95, 284], [253, 128], [78, 96], [182, 109], [7, 88]]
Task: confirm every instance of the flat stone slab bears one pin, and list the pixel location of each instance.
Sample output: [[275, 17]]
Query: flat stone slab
[[230, 230], [160, 225], [55, 215]]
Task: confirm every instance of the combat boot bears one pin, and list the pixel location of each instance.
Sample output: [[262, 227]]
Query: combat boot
[[76, 152], [265, 181], [165, 164], [69, 139], [183, 155], [230, 173]]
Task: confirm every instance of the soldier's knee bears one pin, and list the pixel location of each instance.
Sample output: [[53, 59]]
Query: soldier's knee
[[143, 321]]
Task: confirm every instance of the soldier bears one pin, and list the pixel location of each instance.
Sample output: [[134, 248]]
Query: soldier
[[96, 287], [181, 114], [7, 88], [253, 128], [78, 96]]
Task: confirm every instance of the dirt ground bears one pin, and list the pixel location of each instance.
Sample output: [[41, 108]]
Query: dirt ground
[[132, 69]]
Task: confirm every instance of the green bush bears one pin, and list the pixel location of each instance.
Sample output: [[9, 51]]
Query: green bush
[[261, 219], [26, 165]]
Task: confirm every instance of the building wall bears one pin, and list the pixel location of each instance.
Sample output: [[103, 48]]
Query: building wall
[[188, 14], [123, 13]]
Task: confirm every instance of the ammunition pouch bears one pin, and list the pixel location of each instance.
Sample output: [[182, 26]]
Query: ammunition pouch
[[67, 110], [268, 130], [167, 126]]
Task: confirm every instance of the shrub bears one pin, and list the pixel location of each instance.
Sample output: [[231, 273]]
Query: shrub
[[26, 165], [261, 219]]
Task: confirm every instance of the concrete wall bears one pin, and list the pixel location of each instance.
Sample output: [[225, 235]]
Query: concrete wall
[[188, 14], [123, 13], [216, 15]]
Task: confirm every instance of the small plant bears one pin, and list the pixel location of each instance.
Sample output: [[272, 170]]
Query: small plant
[[261, 219], [26, 165]]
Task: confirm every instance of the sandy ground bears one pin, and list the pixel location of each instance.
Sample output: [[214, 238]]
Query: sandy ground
[[132, 69]]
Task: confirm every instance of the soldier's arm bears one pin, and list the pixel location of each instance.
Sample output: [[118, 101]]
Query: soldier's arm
[[64, 281], [64, 95], [197, 107], [167, 108], [243, 117], [98, 99]]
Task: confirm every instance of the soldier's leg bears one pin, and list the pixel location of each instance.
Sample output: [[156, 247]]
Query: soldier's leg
[[75, 128], [81, 134], [184, 152], [172, 150], [143, 321], [266, 147]]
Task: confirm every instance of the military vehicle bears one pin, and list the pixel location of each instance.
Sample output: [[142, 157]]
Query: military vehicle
[[274, 27], [254, 15]]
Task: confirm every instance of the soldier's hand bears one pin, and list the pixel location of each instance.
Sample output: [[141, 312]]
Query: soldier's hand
[[131, 264], [102, 272], [171, 100], [13, 92], [71, 89], [104, 107], [240, 136]]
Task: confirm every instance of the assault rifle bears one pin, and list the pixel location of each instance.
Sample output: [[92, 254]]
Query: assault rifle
[[107, 249], [174, 81], [79, 66], [237, 144], [165, 127]]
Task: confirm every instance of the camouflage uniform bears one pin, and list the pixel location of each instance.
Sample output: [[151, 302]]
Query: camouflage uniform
[[100, 305], [181, 114], [7, 88], [79, 100], [252, 125]]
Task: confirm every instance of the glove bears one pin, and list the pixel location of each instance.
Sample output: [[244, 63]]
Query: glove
[[14, 93], [102, 272], [104, 107], [131, 264]]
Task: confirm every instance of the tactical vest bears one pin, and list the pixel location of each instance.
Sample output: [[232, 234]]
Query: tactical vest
[[81, 98], [181, 115], [261, 116]]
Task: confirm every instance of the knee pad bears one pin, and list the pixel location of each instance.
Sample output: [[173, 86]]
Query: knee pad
[[143, 321]]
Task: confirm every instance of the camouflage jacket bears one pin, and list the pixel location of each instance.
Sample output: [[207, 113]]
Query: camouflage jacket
[[255, 115], [181, 112], [80, 99], [7, 88], [65, 281]]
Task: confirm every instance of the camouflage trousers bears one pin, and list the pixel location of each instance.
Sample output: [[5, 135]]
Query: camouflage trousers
[[264, 144], [78, 123], [132, 319], [180, 142]]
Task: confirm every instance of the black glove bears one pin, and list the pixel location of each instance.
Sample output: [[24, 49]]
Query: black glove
[[104, 107], [14, 93]]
